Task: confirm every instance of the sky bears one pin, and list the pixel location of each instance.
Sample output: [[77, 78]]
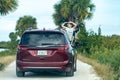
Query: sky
[[106, 15]]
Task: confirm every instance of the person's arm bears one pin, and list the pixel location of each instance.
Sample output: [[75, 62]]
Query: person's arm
[[63, 25]]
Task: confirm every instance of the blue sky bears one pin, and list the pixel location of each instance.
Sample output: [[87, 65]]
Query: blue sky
[[106, 14]]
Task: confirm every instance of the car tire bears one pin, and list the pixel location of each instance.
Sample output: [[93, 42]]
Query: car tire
[[75, 67], [71, 73], [20, 73]]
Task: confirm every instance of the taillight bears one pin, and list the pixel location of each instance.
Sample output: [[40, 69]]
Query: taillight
[[63, 47], [18, 46], [21, 45], [66, 47]]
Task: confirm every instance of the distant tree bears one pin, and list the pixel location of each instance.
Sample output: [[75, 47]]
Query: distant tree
[[99, 31], [7, 6], [13, 36], [73, 10], [12, 44], [24, 23]]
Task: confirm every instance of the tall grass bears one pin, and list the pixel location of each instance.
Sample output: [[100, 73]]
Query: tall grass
[[6, 57]]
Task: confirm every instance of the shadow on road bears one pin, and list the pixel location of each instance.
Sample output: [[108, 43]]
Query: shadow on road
[[45, 75]]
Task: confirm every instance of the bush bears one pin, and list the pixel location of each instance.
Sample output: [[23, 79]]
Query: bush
[[111, 57], [7, 52], [108, 57]]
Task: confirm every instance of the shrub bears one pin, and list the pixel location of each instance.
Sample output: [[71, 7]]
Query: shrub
[[7, 52], [108, 57]]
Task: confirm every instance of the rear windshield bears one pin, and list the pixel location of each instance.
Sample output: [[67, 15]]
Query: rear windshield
[[43, 38]]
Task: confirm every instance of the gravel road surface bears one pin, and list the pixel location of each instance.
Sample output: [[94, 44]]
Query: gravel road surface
[[84, 72]]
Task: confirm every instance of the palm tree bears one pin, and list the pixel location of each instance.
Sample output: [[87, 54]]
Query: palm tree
[[7, 6], [25, 23], [74, 10]]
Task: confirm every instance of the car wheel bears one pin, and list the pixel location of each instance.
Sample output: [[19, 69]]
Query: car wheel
[[75, 67], [20, 73], [71, 73]]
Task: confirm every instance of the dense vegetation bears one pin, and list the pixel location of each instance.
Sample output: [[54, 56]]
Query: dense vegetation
[[104, 49], [25, 23]]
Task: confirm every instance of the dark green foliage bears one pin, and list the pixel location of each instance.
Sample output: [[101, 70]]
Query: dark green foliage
[[111, 42], [24, 23], [7, 6], [73, 10], [12, 44], [88, 40]]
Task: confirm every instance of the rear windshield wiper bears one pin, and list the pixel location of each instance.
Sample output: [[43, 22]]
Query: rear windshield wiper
[[48, 44]]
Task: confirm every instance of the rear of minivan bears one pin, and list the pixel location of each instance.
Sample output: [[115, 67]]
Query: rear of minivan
[[44, 51]]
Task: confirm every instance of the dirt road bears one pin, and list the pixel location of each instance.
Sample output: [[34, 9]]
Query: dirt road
[[84, 72]]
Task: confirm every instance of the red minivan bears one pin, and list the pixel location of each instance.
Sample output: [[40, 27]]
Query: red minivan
[[45, 50]]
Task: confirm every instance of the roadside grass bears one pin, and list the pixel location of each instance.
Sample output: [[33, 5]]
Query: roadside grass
[[4, 61], [6, 57], [104, 71]]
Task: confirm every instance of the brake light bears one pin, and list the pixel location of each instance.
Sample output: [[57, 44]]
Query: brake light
[[23, 45], [18, 46], [66, 47], [63, 47]]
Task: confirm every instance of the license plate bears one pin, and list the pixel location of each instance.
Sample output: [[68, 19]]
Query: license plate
[[43, 52]]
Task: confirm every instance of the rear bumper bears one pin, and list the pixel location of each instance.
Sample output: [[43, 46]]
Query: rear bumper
[[41, 69], [42, 66]]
